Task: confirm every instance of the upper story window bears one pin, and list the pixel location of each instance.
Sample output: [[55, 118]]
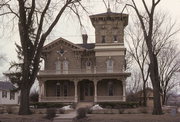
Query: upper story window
[[4, 94], [88, 66], [103, 39], [65, 66], [110, 88], [58, 66], [58, 89], [12, 95], [115, 38], [110, 64]]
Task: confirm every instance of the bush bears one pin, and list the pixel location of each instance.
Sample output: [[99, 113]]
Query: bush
[[144, 110], [121, 111], [61, 111], [81, 113], [9, 109], [51, 113], [47, 105], [118, 105]]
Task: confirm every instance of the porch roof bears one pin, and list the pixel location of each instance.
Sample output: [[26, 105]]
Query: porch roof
[[51, 76]]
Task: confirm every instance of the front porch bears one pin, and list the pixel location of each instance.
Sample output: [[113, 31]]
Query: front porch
[[83, 89]]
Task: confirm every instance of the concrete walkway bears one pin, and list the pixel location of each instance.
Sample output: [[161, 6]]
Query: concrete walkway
[[65, 117]]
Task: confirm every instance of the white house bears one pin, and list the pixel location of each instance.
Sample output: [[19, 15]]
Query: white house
[[7, 97]]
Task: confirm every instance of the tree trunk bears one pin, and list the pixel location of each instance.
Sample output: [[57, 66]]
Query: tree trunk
[[24, 101], [154, 75], [144, 95]]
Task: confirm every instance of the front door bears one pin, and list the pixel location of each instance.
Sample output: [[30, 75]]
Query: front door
[[86, 91]]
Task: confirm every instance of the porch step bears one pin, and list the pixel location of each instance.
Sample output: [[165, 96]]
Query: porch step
[[84, 105]]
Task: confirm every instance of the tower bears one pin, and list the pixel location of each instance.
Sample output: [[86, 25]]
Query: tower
[[109, 32]]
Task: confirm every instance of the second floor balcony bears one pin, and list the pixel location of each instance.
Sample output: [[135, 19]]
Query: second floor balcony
[[80, 71]]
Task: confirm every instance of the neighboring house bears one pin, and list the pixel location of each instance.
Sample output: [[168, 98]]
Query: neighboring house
[[149, 97], [93, 72], [8, 97], [174, 100]]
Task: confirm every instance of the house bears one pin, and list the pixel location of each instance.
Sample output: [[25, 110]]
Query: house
[[92, 72], [149, 97], [7, 96]]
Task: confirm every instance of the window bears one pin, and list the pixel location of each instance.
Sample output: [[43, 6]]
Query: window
[[110, 88], [58, 88], [4, 94], [110, 64], [103, 39], [58, 66], [115, 38], [88, 66], [65, 67], [12, 95], [65, 90]]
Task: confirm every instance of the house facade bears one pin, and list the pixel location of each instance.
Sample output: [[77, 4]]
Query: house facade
[[93, 72], [8, 97]]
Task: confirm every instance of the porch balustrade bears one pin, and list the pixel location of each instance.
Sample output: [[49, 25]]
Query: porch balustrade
[[109, 98], [76, 71], [58, 99]]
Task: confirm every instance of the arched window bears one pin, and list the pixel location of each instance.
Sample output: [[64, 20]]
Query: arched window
[[110, 88], [58, 66], [58, 89], [65, 66], [88, 66], [110, 64]]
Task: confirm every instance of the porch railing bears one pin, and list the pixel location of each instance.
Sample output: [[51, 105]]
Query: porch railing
[[58, 99], [77, 71], [109, 98]]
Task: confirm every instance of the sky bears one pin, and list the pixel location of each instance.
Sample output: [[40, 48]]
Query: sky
[[68, 30]]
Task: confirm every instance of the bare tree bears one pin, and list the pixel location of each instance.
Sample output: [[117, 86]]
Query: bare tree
[[147, 18], [169, 64], [35, 23], [138, 51]]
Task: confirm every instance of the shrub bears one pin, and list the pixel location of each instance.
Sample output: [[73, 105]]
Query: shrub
[[121, 111], [34, 96], [47, 105], [9, 109], [81, 113], [51, 113], [143, 110], [61, 111], [118, 105]]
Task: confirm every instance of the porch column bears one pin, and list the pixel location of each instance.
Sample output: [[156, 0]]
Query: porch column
[[124, 90], [40, 91], [75, 96], [95, 90]]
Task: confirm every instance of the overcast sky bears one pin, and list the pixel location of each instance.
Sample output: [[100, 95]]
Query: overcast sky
[[71, 31]]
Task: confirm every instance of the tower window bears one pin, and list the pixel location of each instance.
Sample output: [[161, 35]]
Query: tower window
[[115, 38], [103, 39]]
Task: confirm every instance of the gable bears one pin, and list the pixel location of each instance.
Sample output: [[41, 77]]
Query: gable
[[58, 42]]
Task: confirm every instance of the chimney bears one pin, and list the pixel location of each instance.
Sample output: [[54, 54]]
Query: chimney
[[85, 38]]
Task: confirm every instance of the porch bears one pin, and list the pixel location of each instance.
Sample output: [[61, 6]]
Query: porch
[[82, 90]]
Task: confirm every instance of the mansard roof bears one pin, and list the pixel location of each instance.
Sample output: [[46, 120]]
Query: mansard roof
[[6, 86]]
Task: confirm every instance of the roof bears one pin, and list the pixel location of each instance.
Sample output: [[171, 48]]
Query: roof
[[88, 45], [57, 41], [6, 86], [109, 14]]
